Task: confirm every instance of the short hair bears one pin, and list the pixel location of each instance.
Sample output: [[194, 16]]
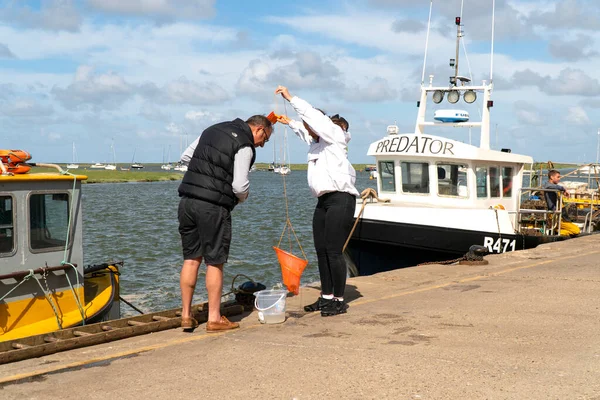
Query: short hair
[[259, 120], [340, 121], [552, 172]]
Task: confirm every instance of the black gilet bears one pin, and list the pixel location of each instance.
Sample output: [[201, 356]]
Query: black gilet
[[210, 171]]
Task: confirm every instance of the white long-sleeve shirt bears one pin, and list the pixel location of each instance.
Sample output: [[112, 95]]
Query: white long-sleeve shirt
[[241, 168], [328, 167]]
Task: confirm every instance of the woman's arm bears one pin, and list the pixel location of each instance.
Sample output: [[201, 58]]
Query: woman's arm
[[318, 122], [297, 127]]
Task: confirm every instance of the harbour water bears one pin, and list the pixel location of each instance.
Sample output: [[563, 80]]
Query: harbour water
[[137, 223]]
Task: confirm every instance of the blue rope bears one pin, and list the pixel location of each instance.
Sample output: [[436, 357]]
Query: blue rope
[[64, 261]]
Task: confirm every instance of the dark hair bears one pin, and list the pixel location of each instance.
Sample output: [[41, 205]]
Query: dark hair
[[341, 122], [259, 120], [552, 172]]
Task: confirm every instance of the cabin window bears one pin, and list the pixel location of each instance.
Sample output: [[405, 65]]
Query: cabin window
[[452, 180], [481, 177], [507, 181], [494, 182], [7, 228], [387, 176], [48, 220], [415, 177]]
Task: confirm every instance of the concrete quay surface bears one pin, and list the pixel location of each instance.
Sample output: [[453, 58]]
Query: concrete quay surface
[[525, 326]]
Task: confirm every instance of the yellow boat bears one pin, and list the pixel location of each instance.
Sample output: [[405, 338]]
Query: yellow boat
[[44, 286]]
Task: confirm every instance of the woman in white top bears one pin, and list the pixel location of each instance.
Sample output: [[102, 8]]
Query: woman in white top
[[331, 179]]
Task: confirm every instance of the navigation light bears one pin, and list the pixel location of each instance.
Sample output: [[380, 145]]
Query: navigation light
[[470, 96], [438, 96], [453, 96]]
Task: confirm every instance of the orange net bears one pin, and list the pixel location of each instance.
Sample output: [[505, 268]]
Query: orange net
[[291, 269]]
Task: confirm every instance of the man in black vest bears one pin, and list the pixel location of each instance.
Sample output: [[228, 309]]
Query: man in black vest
[[216, 180]]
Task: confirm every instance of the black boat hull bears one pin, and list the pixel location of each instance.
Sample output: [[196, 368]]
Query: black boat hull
[[378, 246]]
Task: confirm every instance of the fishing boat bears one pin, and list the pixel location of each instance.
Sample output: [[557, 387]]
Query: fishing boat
[[437, 196], [44, 286]]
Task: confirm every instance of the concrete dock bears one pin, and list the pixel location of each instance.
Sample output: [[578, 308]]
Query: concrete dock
[[525, 326]]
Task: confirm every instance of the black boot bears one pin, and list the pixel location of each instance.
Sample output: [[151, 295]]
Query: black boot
[[317, 305], [335, 307]]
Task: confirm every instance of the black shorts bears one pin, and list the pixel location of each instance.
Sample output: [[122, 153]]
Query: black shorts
[[205, 230]]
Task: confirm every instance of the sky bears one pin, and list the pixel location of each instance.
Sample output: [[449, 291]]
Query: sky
[[148, 76]]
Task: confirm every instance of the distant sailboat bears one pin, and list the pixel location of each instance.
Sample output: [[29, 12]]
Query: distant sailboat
[[74, 164], [285, 168], [135, 165], [113, 166], [168, 166]]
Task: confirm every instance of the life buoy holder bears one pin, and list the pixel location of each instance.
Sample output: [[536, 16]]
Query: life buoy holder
[[13, 161]]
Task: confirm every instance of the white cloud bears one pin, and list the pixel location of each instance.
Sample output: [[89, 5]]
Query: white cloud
[[184, 91], [528, 114], [577, 116], [102, 91], [572, 50], [25, 108], [5, 51], [53, 15], [375, 90], [157, 9]]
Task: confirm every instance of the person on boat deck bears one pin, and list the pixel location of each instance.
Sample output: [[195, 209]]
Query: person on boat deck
[[331, 179], [567, 228], [215, 182]]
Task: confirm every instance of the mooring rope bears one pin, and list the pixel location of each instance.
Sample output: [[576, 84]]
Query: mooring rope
[[365, 195]]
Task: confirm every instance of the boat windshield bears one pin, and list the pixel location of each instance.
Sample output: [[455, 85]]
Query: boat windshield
[[7, 237], [452, 180], [48, 220]]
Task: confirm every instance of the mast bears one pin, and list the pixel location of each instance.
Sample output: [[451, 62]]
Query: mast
[[598, 147]]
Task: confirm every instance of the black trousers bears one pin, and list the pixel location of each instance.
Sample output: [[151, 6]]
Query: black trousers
[[332, 223]]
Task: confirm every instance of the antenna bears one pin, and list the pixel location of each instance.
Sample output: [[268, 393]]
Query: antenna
[[492, 49], [426, 43]]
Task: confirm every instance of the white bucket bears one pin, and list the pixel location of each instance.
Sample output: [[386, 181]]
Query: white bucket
[[270, 305]]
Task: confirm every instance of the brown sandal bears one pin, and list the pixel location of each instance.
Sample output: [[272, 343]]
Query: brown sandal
[[189, 324]]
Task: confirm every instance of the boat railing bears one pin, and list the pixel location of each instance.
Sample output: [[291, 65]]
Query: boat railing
[[533, 214]]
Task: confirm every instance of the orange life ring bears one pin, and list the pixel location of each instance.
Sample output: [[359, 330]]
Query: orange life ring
[[18, 169], [499, 207], [14, 157]]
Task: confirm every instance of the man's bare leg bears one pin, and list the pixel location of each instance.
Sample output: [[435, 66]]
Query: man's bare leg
[[187, 282], [214, 287]]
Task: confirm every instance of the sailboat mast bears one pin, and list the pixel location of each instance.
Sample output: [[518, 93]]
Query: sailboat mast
[[598, 147]]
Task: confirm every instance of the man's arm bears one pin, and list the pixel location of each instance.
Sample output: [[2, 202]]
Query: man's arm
[[189, 152], [241, 168]]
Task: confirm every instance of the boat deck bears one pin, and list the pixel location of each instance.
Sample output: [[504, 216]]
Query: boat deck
[[524, 326]]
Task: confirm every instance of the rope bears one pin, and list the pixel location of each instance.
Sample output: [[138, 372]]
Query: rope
[[447, 262], [25, 278], [64, 261], [288, 222], [365, 195], [48, 296], [131, 305], [75, 295]]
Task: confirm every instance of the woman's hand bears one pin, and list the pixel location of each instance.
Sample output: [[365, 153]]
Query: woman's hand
[[284, 92], [282, 119]]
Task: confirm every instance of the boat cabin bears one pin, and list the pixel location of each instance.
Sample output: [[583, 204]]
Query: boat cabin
[[42, 283], [436, 171]]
